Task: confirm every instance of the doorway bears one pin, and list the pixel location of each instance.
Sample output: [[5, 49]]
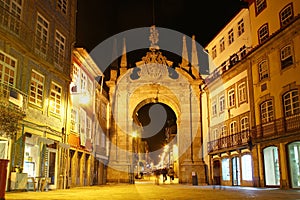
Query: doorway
[[51, 168], [294, 158], [236, 180]]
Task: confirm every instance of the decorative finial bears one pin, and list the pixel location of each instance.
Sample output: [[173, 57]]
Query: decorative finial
[[153, 38]]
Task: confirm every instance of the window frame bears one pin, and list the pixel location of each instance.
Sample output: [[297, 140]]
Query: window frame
[[55, 98], [268, 115], [230, 36], [62, 6], [293, 99], [242, 92], [41, 41], [222, 103], [263, 70], [233, 128], [231, 98], [241, 27], [38, 84], [286, 56], [288, 18], [262, 37], [259, 7], [245, 123]]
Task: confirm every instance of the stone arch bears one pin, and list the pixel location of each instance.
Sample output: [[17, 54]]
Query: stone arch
[[153, 83]]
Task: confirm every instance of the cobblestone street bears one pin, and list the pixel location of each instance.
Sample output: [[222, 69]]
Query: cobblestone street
[[148, 190]]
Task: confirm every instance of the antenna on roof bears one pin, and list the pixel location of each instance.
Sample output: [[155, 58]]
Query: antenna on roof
[[153, 12]]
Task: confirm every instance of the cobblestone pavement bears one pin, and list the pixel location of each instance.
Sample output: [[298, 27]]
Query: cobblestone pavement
[[164, 191]]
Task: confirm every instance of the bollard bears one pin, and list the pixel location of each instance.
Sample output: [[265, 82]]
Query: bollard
[[194, 178], [3, 172]]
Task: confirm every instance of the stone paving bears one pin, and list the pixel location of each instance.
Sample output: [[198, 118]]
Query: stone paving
[[147, 190]]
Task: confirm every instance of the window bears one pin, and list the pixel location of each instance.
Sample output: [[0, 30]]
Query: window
[[215, 134], [62, 6], [246, 167], [291, 103], [263, 70], [36, 88], [225, 169], [60, 42], [263, 33], [266, 111], [233, 128], [242, 92], [12, 22], [88, 128], [241, 28], [286, 14], [222, 103], [41, 32], [74, 120], [230, 37], [8, 68], [244, 124], [55, 98], [260, 5], [82, 126], [222, 45], [214, 52], [83, 82], [224, 131], [214, 108], [231, 98], [286, 56]]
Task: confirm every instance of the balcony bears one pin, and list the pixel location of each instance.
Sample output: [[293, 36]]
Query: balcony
[[228, 142], [278, 128], [281, 127], [23, 34]]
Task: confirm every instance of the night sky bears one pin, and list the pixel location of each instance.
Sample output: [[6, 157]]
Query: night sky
[[98, 20]]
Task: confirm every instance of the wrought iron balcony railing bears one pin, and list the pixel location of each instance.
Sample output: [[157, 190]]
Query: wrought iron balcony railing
[[277, 128], [229, 141], [13, 98], [26, 36]]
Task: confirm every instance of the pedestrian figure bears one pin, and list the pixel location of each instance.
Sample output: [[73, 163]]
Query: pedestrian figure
[[164, 172], [157, 174], [171, 173]]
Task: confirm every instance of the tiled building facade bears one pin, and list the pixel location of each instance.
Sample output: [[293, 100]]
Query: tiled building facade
[[261, 146]]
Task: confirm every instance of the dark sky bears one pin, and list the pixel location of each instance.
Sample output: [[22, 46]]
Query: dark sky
[[98, 20]]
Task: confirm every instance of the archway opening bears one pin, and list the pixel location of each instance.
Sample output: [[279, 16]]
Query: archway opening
[[158, 135]]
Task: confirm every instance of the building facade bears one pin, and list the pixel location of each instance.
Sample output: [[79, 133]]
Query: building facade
[[36, 39], [275, 78], [88, 122], [265, 152]]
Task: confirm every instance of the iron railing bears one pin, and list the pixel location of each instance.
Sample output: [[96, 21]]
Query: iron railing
[[238, 139], [276, 128]]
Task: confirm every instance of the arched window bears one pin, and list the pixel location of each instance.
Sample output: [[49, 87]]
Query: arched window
[[263, 33], [263, 70], [291, 103], [266, 111], [286, 56], [286, 14], [244, 124]]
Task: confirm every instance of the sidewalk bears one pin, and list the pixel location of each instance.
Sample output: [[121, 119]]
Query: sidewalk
[[147, 190]]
